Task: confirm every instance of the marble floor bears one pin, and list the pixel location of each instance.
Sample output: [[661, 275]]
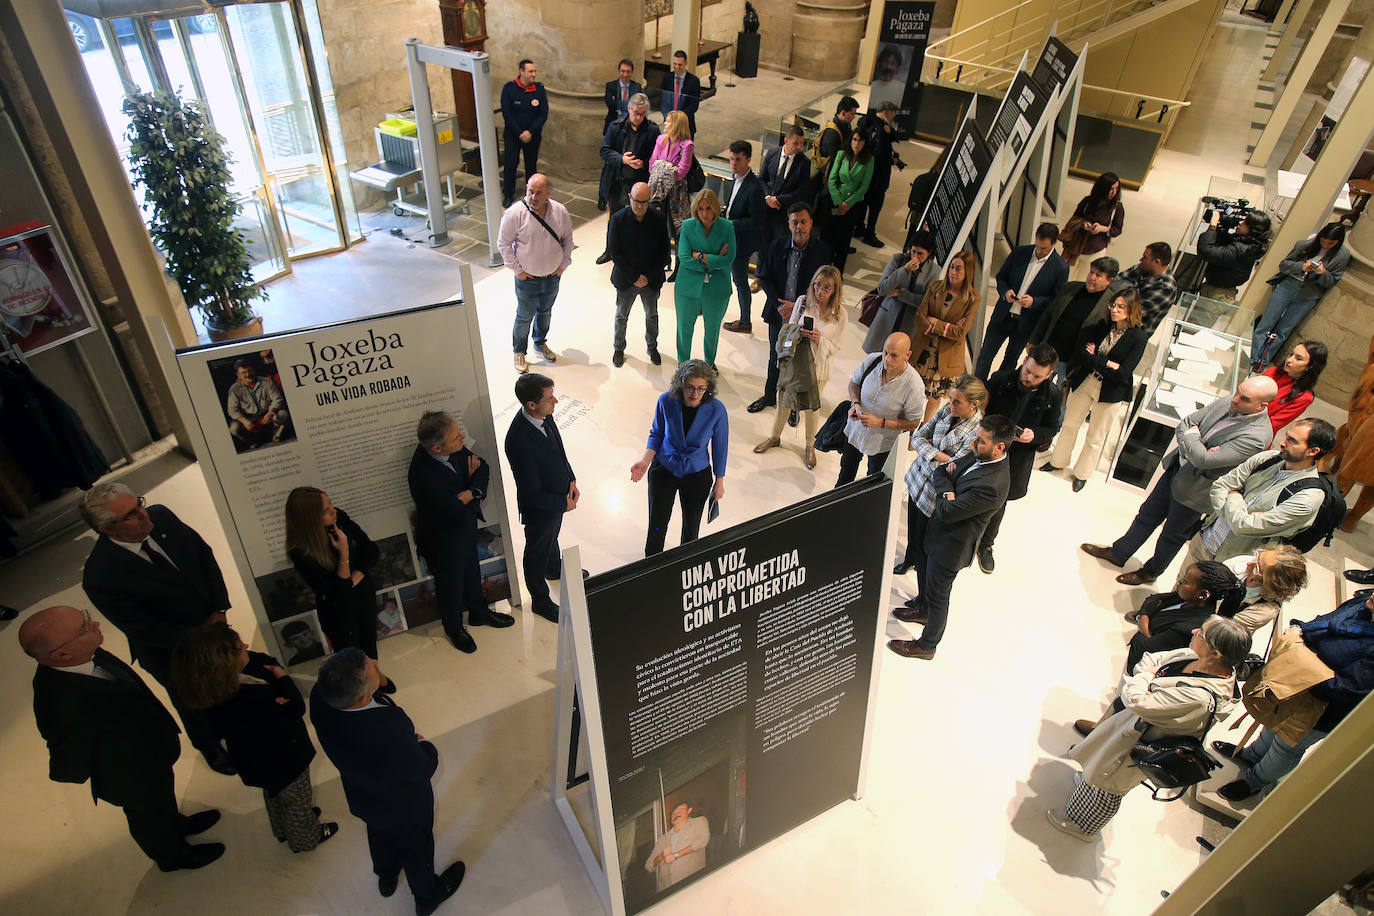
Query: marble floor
[[965, 755]]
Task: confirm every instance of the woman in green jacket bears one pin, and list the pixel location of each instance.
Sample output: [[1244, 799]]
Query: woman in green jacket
[[706, 249], [850, 174]]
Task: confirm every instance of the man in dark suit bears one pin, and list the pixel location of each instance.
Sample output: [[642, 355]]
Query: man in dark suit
[[970, 489], [103, 724], [786, 177], [545, 486], [1028, 279], [619, 92], [625, 152], [448, 483], [681, 91], [1080, 304], [745, 209], [784, 272], [637, 238], [1035, 407], [156, 579], [1210, 441], [385, 766]]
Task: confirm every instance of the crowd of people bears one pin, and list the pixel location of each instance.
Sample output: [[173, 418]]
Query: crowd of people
[[1074, 326]]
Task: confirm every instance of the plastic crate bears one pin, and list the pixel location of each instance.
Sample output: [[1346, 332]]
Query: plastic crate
[[398, 127]]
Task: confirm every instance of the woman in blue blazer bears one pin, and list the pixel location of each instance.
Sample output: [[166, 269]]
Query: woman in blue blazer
[[685, 457], [706, 249]]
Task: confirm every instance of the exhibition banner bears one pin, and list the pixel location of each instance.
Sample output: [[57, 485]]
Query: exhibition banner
[[901, 56], [1053, 66], [1022, 108], [957, 192], [733, 681], [342, 403]]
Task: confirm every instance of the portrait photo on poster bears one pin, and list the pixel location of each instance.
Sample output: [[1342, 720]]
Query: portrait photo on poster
[[300, 639], [255, 408], [285, 594], [395, 563], [891, 70], [419, 603], [390, 620]]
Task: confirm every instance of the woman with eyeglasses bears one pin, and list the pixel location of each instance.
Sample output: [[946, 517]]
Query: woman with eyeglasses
[[685, 457], [258, 710], [335, 558], [819, 318]]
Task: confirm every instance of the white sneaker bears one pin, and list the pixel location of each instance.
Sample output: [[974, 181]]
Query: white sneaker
[[520, 365]]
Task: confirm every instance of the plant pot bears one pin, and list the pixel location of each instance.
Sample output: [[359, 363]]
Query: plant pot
[[251, 329]]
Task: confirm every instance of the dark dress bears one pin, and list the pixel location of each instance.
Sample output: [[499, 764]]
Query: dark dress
[[348, 612], [266, 740]]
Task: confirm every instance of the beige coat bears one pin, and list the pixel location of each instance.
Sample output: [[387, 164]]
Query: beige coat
[[1277, 694], [1159, 707]]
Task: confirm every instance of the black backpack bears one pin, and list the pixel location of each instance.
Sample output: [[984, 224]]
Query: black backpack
[[1329, 515]]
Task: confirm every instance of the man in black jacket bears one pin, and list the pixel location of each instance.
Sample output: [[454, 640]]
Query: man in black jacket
[[745, 209], [524, 110], [619, 92], [1232, 256], [969, 490], [784, 272], [681, 91], [625, 150], [786, 177], [448, 483], [545, 486], [1080, 304], [103, 724], [385, 766], [1033, 404], [1028, 280], [637, 238], [156, 579]]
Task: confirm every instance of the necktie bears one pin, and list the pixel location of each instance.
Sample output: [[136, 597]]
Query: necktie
[[734, 187], [157, 559], [548, 432], [677, 91], [786, 164], [114, 671], [624, 95]]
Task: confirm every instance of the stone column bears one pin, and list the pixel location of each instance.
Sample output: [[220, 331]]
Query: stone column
[[576, 46], [826, 36], [1331, 68]]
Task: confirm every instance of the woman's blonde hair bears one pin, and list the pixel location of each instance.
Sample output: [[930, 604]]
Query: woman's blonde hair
[[971, 387], [829, 272], [1287, 576], [305, 526], [707, 196], [676, 127]]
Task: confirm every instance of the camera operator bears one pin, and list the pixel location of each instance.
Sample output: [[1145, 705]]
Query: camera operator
[[1231, 254]]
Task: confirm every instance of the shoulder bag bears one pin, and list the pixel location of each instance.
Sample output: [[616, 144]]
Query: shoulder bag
[[830, 437]]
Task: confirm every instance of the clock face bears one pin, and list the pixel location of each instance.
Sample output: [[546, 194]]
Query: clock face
[[473, 26], [24, 288]]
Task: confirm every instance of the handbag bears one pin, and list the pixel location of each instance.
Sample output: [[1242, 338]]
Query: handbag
[[1175, 761], [1074, 237], [868, 307], [830, 437], [696, 176]]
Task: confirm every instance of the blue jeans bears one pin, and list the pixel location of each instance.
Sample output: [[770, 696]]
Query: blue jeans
[[1271, 758], [533, 303], [1280, 317]]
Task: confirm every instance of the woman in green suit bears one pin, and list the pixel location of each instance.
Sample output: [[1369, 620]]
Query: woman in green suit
[[850, 175], [707, 249]]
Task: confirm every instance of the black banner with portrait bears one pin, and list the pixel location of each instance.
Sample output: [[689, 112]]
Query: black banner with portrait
[[901, 56]]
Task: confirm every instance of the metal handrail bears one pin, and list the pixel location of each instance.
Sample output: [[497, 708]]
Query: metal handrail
[[973, 65], [954, 35]]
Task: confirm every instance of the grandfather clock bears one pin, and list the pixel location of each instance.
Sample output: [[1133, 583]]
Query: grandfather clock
[[465, 26]]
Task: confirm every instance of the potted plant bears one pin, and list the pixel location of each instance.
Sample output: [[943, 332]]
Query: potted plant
[[181, 164]]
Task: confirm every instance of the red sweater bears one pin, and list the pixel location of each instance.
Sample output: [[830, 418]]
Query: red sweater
[[1281, 411]]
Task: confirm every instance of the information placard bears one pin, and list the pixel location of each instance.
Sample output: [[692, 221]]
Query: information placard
[[1022, 108], [957, 190]]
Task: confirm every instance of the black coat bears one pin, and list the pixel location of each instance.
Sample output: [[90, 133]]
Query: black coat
[[385, 769], [540, 466], [1040, 414], [747, 214], [1230, 258], [1169, 629], [612, 98], [798, 188], [1046, 285], [114, 733], [267, 740], [444, 525], [619, 139], [334, 596], [638, 247], [45, 435], [956, 525], [153, 606], [772, 271], [1117, 384], [689, 101]]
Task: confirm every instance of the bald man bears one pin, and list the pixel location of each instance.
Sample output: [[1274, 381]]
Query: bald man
[[536, 243], [638, 242], [1210, 442], [103, 724], [888, 398]]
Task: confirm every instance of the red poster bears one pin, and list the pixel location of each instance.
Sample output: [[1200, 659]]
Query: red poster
[[39, 305]]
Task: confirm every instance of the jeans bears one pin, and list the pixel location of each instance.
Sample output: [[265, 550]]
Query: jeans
[[1180, 523], [1009, 330], [624, 299], [739, 273], [1279, 319], [534, 297], [542, 559], [1271, 758], [849, 463], [664, 486], [512, 157]]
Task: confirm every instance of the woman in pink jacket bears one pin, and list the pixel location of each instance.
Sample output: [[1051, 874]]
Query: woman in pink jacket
[[668, 168]]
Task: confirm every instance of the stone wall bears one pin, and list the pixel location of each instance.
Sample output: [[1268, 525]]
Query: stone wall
[[1343, 321]]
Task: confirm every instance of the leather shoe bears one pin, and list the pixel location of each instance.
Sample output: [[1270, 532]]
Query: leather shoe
[[618, 358], [792, 419], [910, 615], [761, 404], [1226, 749], [490, 619], [810, 458], [1102, 553], [1078, 484], [985, 561], [739, 327], [910, 648], [902, 568], [766, 444], [219, 761], [1084, 727], [1363, 592], [201, 821], [872, 241], [462, 641], [603, 257], [1237, 791], [1064, 825], [548, 613], [445, 886], [1135, 577], [386, 886], [1360, 576], [655, 358], [1048, 467], [197, 856]]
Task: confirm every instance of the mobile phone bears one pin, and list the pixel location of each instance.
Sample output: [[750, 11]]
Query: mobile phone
[[809, 323]]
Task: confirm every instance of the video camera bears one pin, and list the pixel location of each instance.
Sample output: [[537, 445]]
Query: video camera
[[1230, 213]]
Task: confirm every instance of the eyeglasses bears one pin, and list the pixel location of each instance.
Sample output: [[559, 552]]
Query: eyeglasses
[[133, 513], [696, 389], [823, 287], [85, 629]]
